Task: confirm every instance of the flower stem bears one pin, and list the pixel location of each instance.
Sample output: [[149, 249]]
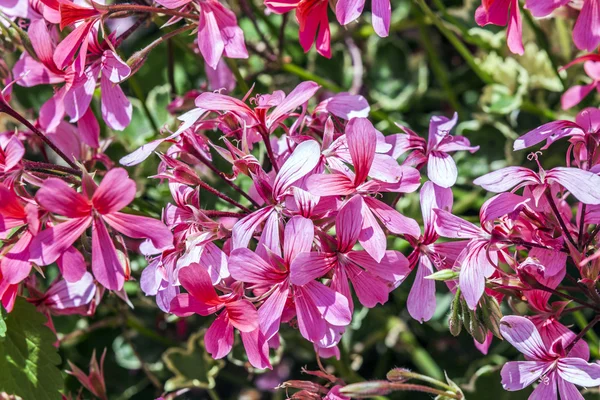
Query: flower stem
[[582, 333], [5, 108], [562, 224], [113, 8]]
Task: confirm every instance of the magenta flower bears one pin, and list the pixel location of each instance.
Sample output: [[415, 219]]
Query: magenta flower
[[11, 154], [372, 281], [551, 366], [389, 176], [587, 123], [320, 310], [74, 98], [100, 205], [236, 312], [218, 30], [347, 11], [586, 32], [441, 168], [502, 13], [313, 20], [575, 94]]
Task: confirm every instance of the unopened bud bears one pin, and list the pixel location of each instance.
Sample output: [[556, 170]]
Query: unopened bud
[[364, 390], [491, 315], [136, 60], [443, 275], [454, 321], [398, 375], [478, 329]]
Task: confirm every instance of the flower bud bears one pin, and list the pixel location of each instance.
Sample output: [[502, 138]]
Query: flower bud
[[491, 315], [397, 375], [364, 390], [443, 275], [454, 321]]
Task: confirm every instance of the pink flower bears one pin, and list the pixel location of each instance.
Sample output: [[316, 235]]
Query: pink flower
[[218, 30], [427, 254], [100, 205], [74, 98], [476, 261], [236, 312], [313, 20], [347, 11], [372, 280], [586, 33], [501, 13], [441, 168], [11, 154], [575, 94], [583, 185], [322, 312], [550, 365], [388, 176], [587, 123]]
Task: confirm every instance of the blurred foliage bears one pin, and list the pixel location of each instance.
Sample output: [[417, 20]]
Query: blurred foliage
[[407, 77]]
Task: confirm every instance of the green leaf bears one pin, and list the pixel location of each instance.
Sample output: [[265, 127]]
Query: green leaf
[[193, 367], [29, 359]]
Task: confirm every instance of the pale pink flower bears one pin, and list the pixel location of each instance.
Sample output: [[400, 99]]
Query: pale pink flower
[[441, 168], [557, 372], [586, 123]]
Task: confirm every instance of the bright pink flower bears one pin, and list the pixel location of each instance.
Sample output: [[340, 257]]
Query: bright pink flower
[[74, 98], [236, 312], [586, 33], [313, 20], [575, 94], [218, 30], [441, 168], [11, 154], [320, 310], [372, 281], [347, 11], [389, 176], [114, 193], [14, 213], [502, 13], [551, 366]]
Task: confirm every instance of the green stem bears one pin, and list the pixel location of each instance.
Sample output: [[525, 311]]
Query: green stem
[[440, 72], [238, 75], [420, 357], [455, 41], [307, 75], [213, 394], [582, 323], [137, 90], [542, 39], [428, 379]]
